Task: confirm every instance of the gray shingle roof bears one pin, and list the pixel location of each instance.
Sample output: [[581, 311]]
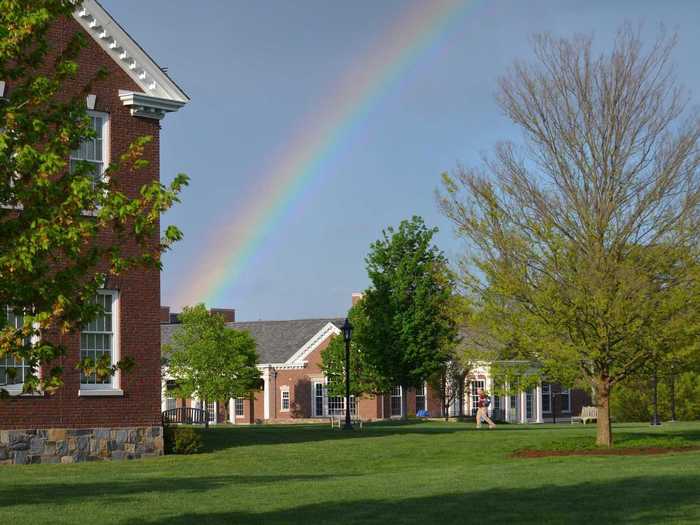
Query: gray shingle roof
[[276, 341]]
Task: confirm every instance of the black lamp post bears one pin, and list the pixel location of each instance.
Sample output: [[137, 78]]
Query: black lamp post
[[347, 336]]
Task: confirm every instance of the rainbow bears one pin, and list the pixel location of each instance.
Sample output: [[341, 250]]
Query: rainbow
[[294, 168]]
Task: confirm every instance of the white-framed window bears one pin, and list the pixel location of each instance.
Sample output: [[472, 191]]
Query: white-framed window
[[528, 404], [546, 398], [100, 338], [565, 400], [284, 405], [420, 398], [396, 397], [170, 402], [325, 405], [212, 407], [238, 407], [13, 371], [475, 386], [319, 400], [94, 150]]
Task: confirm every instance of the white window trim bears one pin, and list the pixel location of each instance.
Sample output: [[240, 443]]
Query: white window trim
[[114, 387], [234, 407], [547, 394], [566, 410], [105, 140], [283, 390], [424, 396], [15, 389], [400, 396]]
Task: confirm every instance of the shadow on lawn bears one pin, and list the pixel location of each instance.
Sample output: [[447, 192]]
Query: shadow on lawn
[[221, 438], [639, 500], [73, 493]]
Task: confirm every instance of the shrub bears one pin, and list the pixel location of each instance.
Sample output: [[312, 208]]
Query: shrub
[[181, 440]]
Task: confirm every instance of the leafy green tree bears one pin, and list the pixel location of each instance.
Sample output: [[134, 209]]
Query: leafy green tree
[[210, 361], [63, 231], [410, 328], [364, 378], [583, 243]]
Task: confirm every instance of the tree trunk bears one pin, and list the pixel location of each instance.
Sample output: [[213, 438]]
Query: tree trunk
[[227, 411], [604, 430]]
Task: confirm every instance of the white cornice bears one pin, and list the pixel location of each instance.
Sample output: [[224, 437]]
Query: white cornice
[[142, 105], [313, 343], [158, 88]]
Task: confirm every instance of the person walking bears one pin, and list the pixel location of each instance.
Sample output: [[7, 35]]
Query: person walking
[[482, 409]]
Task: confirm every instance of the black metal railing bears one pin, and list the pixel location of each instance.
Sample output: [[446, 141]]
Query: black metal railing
[[186, 416]]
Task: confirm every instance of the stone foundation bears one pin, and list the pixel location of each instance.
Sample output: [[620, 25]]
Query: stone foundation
[[70, 445]]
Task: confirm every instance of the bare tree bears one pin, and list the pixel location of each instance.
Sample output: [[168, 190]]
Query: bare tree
[[583, 240]]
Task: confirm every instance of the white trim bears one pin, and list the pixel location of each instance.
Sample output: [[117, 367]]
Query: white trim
[[106, 146], [124, 50], [285, 389], [99, 392], [312, 344], [115, 382], [266, 393], [142, 105]]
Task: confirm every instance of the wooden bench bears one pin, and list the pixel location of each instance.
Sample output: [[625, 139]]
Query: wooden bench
[[587, 414], [339, 421]]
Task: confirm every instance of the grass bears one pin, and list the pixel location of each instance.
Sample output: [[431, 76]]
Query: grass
[[390, 473]]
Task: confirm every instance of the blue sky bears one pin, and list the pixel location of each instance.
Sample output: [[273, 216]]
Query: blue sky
[[256, 70]]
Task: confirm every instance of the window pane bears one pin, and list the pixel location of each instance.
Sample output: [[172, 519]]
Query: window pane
[[96, 339]]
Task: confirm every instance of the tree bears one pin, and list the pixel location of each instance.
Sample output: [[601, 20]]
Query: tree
[[364, 378], [64, 232], [209, 361], [584, 241], [409, 330]]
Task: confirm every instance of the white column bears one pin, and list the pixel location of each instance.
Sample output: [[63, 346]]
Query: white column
[[231, 411], [506, 407], [267, 393], [523, 407], [538, 400]]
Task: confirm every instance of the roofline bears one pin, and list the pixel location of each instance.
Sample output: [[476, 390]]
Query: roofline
[[126, 52]]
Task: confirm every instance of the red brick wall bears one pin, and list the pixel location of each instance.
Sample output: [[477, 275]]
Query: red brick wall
[[139, 290]]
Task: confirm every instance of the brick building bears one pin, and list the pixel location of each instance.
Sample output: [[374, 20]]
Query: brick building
[[295, 388], [118, 418]]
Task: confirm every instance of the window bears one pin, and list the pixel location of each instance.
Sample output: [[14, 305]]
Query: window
[[13, 371], [318, 399], [396, 396], [285, 399], [99, 342], [238, 407], [420, 398], [565, 400], [528, 404], [475, 386], [170, 402], [546, 398], [497, 403], [212, 411], [325, 405], [94, 150]]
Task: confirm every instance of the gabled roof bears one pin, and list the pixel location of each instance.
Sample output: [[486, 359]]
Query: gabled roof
[[277, 341], [160, 94]]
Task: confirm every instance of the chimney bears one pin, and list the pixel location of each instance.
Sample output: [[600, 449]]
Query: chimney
[[228, 313], [164, 314], [356, 297]]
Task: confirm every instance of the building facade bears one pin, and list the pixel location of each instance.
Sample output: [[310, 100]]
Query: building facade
[[120, 417], [295, 388]]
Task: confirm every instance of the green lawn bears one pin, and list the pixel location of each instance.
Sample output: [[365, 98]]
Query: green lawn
[[418, 473]]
